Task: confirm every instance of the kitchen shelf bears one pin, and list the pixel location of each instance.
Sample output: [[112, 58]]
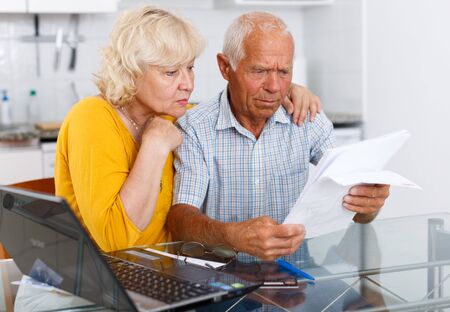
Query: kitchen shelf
[[179, 4], [273, 3], [211, 4], [48, 38]]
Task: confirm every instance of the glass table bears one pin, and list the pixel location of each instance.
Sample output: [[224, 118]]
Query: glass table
[[399, 264]]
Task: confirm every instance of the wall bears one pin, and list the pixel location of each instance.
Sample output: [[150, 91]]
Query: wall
[[333, 49], [55, 88], [408, 73], [389, 61]]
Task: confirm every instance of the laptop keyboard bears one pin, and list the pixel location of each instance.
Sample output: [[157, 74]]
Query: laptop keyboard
[[154, 284]]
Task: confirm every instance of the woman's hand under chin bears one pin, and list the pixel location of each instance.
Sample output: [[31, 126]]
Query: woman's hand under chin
[[162, 134]]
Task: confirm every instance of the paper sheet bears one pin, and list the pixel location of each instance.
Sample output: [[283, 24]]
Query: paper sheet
[[319, 206], [208, 264]]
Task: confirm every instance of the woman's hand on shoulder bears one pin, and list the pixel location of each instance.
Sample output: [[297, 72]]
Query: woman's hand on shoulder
[[161, 133], [299, 101]]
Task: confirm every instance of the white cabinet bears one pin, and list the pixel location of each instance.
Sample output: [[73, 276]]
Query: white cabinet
[[283, 2], [71, 6], [266, 3], [23, 164], [20, 164], [13, 6], [58, 6], [48, 159], [348, 135]]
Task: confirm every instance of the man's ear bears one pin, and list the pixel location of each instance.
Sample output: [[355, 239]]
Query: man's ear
[[224, 65]]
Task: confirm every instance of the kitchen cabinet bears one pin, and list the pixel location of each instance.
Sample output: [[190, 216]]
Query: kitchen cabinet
[[217, 4], [23, 164], [58, 6], [48, 159], [20, 164], [13, 6], [70, 6], [274, 2], [348, 135]]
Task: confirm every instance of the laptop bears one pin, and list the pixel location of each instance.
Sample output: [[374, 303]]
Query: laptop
[[49, 244]]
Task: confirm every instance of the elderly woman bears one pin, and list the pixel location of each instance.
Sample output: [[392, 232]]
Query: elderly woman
[[114, 160]]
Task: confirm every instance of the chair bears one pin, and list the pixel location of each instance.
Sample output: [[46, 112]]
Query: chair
[[3, 253], [46, 185]]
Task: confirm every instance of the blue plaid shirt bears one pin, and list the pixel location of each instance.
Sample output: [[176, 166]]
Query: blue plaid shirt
[[231, 176]]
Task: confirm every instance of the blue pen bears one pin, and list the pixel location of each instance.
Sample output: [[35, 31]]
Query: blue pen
[[289, 267]]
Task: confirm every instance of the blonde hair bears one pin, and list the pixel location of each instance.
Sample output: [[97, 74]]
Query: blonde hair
[[242, 27], [141, 38]]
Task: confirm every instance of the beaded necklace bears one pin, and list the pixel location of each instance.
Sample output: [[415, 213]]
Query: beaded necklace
[[125, 113]]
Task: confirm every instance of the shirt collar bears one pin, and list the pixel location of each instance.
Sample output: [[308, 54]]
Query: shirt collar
[[227, 119], [281, 115]]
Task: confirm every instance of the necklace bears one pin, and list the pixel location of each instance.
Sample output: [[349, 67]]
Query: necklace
[[125, 113]]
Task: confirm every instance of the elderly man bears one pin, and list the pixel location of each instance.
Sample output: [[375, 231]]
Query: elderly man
[[243, 161]]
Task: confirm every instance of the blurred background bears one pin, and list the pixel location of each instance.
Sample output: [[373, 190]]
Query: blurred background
[[377, 65]]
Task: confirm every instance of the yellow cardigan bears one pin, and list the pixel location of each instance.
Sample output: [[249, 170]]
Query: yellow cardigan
[[95, 153]]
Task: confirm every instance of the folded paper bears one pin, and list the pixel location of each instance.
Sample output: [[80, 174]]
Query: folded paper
[[319, 207]]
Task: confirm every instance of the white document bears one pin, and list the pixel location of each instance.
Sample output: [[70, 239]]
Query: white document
[[208, 264], [319, 207]]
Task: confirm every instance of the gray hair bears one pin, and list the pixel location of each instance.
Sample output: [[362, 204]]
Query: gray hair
[[242, 27]]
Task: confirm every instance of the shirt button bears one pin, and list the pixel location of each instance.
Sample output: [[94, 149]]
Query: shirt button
[[256, 181]]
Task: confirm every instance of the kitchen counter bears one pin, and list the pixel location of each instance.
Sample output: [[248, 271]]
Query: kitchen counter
[[345, 120], [19, 136], [347, 127], [26, 153]]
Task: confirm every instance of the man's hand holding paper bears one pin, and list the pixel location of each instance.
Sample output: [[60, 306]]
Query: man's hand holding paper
[[366, 201], [348, 180]]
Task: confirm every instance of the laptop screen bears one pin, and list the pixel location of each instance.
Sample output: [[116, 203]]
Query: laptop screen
[[48, 243]]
